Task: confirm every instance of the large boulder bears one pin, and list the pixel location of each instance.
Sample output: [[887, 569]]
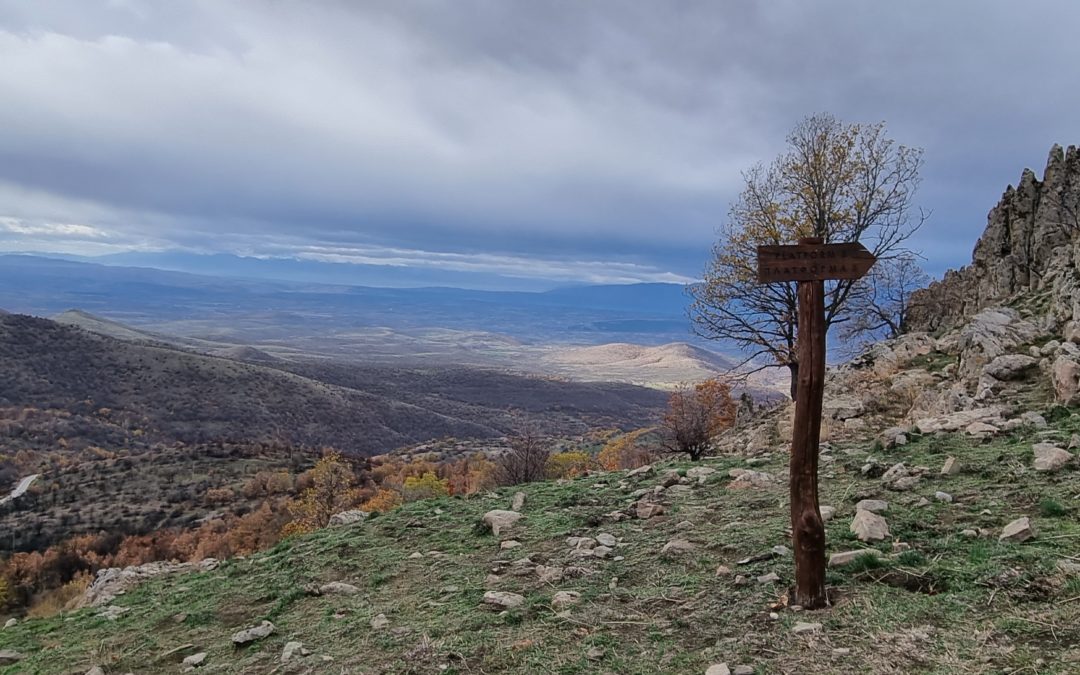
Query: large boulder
[[1049, 457], [1065, 375], [1010, 366], [868, 526]]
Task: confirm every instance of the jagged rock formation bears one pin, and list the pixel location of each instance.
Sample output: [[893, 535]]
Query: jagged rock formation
[[1031, 247]]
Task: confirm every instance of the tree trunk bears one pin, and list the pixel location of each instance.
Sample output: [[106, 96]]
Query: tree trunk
[[793, 368], [807, 527]]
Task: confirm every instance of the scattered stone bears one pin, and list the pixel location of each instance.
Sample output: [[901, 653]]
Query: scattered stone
[[743, 670], [348, 517], [827, 513], [700, 473], [1018, 530], [1049, 457], [249, 635], [595, 653], [338, 588], [745, 478], [980, 429], [841, 651], [684, 525], [868, 526], [678, 490], [951, 467], [923, 501], [113, 612], [804, 628], [502, 600], [564, 599], [1065, 374], [9, 657], [969, 533], [605, 539], [499, 521], [741, 580], [645, 510], [10, 622], [1034, 419], [904, 484], [517, 502], [96, 670], [677, 547], [847, 557], [509, 544], [781, 550], [872, 505], [601, 552], [416, 556], [195, 660], [379, 622], [895, 472], [723, 571], [549, 575], [640, 471], [670, 478], [718, 669], [292, 649], [943, 497], [770, 578], [581, 543]]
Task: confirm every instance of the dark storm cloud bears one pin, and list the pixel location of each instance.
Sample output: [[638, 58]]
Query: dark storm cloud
[[603, 136]]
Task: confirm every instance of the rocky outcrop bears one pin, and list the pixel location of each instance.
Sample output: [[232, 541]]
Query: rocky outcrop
[[1031, 246], [114, 581]]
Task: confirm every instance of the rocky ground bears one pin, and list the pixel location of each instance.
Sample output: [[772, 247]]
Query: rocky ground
[[951, 552]]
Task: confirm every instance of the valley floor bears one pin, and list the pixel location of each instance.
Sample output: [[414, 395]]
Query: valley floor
[[951, 603]]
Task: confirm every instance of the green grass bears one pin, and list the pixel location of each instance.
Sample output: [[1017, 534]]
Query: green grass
[[948, 604]]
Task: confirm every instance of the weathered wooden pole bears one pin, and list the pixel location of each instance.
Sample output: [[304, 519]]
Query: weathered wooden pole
[[809, 263], [807, 527]]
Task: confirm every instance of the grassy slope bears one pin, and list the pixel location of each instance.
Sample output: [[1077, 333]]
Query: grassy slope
[[989, 606]]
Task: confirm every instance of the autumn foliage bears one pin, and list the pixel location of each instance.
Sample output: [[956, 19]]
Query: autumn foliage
[[697, 414]]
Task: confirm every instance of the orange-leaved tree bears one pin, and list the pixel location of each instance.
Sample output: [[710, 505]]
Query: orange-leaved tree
[[625, 452], [332, 490], [696, 414]]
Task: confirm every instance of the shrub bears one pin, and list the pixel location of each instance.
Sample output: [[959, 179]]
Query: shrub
[[568, 464]]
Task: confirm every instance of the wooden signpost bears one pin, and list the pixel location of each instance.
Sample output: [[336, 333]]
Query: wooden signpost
[[810, 263]]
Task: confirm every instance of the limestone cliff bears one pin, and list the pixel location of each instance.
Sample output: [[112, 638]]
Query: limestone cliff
[[1029, 253]]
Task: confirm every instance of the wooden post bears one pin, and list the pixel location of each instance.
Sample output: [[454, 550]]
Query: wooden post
[[807, 527], [809, 263]]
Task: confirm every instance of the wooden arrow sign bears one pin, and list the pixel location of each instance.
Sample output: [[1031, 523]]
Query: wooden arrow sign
[[813, 262]]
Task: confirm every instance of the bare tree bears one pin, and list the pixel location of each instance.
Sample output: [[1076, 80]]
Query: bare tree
[[526, 460], [886, 297], [841, 182]]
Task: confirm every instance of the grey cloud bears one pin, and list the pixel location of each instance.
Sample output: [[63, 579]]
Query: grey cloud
[[602, 131]]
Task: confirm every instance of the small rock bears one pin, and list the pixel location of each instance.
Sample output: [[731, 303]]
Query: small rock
[[1018, 530], [249, 635], [670, 477], [293, 649], [868, 526], [969, 533], [943, 497], [723, 571], [803, 628], [904, 484], [338, 588], [640, 471], [923, 501], [1049, 457], [781, 550], [827, 513], [508, 544], [564, 599], [700, 473], [872, 505], [196, 660], [895, 472], [684, 525], [499, 521], [549, 575], [951, 467], [605, 539], [416, 556], [645, 510], [517, 502], [841, 651], [379, 621], [10, 622], [770, 578], [847, 557], [677, 547], [1034, 419], [502, 600], [981, 429], [743, 670], [741, 580], [348, 517], [718, 669], [601, 551], [595, 653]]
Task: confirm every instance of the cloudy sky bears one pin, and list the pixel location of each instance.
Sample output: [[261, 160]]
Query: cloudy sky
[[561, 139]]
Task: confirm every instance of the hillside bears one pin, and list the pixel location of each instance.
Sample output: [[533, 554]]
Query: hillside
[[193, 397], [677, 592]]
